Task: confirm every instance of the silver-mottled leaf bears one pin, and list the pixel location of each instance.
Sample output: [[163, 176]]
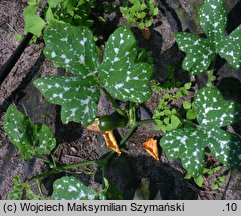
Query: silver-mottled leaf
[[229, 48], [188, 145], [72, 48], [119, 74], [78, 98], [213, 19], [199, 54], [70, 188], [213, 110], [31, 140], [226, 147]]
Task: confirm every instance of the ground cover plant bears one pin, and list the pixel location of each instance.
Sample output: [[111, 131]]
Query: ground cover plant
[[123, 73], [140, 13], [37, 16]]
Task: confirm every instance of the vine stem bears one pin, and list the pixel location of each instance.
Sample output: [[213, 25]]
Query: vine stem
[[210, 78], [115, 105], [64, 168], [132, 129], [210, 72], [103, 161], [128, 134], [43, 159]]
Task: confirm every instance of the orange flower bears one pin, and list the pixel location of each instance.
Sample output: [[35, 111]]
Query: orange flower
[[110, 142], [151, 147]]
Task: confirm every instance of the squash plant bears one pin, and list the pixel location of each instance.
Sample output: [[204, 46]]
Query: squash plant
[[200, 51], [119, 75], [189, 143], [30, 139], [37, 141], [74, 49], [122, 77], [213, 112]]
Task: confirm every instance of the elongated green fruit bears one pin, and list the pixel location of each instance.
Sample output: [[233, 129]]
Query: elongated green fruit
[[111, 122]]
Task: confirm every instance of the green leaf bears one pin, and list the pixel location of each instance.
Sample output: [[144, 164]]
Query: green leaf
[[187, 105], [148, 23], [210, 172], [191, 114], [198, 50], [54, 3], [72, 48], [166, 120], [214, 187], [205, 170], [221, 179], [217, 168], [141, 25], [187, 176], [29, 139], [179, 94], [18, 37], [199, 180], [188, 85], [49, 16], [17, 191], [175, 121], [70, 188], [33, 22], [33, 2], [78, 98], [22, 188], [143, 6], [155, 12], [124, 79], [189, 144]]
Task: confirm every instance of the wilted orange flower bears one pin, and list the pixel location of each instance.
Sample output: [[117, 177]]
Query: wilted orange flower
[[151, 147], [111, 142], [94, 126]]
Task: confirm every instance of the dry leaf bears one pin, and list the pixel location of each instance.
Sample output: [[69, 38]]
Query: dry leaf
[[111, 142], [94, 126], [151, 147]]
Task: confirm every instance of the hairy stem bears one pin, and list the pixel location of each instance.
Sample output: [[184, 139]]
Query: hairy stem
[[128, 134], [132, 114], [210, 78], [63, 169]]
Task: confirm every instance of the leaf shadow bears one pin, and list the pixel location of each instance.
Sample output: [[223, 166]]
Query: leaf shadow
[[164, 181]]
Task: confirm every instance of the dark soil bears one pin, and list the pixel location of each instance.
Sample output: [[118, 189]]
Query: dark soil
[[76, 144]]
